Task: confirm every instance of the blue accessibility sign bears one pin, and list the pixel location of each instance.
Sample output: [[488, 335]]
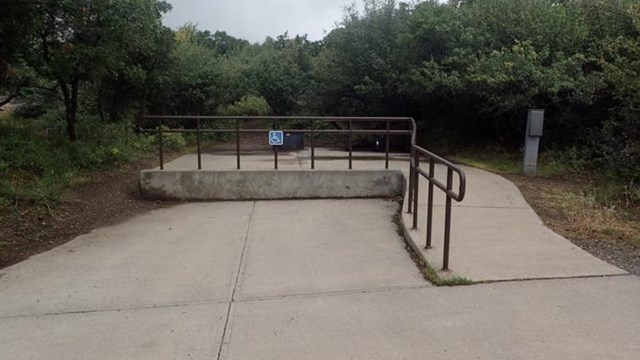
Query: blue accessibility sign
[[276, 138]]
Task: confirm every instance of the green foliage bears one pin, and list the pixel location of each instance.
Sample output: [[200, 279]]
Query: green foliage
[[362, 64], [171, 141], [248, 105], [38, 163], [282, 72], [467, 70]]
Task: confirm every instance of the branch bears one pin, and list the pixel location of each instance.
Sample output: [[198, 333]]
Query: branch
[[9, 99]]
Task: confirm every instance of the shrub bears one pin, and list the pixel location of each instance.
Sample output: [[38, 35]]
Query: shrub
[[172, 141], [38, 163]]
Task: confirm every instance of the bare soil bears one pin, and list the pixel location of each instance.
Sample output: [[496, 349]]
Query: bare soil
[[107, 198]]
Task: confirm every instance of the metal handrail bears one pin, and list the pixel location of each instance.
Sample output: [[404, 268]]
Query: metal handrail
[[312, 131], [416, 153], [415, 172]]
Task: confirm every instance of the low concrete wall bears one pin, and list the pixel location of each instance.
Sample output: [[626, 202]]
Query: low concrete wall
[[270, 184]]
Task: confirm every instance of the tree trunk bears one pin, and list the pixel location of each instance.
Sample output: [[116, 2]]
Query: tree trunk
[[71, 106], [142, 109]]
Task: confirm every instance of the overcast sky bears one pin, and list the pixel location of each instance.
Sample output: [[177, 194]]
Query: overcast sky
[[256, 19]]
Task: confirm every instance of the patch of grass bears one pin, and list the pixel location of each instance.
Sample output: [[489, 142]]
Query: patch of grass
[[432, 275], [584, 217], [503, 161], [429, 273], [494, 160]]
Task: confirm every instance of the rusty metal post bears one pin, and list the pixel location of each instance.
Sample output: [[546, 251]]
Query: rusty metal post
[[275, 148], [350, 145], [447, 221], [313, 148], [160, 144], [416, 186], [386, 156], [430, 203], [238, 144], [198, 144], [411, 165]]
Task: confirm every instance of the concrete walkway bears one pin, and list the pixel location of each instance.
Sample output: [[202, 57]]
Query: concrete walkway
[[305, 279], [312, 279], [496, 235]]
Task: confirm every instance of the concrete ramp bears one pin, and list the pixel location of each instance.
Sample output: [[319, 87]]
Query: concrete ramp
[[495, 235]]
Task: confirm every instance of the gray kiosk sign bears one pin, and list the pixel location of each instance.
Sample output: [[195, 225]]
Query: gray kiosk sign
[[535, 122]]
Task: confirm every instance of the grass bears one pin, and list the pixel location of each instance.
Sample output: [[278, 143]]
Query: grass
[[432, 275]]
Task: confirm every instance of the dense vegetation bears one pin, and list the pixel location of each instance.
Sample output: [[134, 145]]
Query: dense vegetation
[[467, 70]]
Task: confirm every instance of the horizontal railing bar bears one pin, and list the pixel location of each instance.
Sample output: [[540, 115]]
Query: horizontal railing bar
[[295, 131], [440, 185], [462, 186], [322, 118]]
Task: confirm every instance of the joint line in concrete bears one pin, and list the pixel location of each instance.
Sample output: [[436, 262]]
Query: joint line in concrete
[[237, 279]]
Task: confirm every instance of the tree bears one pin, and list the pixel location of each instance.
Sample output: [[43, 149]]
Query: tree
[[81, 41], [283, 73], [17, 26], [363, 63]]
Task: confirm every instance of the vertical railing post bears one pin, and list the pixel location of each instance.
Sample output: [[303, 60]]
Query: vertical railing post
[[198, 143], [430, 202], [160, 144], [411, 165], [313, 148], [275, 148], [350, 144], [416, 186], [447, 221], [386, 156], [238, 144]]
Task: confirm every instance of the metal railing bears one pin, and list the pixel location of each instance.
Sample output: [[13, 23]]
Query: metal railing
[[414, 179], [312, 131], [416, 154]]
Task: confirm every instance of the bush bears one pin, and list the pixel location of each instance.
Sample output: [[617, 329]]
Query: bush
[[248, 105], [38, 163], [172, 141]]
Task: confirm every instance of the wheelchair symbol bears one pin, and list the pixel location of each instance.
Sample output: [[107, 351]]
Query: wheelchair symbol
[[276, 138]]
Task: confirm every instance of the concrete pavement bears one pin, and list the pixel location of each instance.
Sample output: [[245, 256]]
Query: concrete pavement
[[317, 279], [496, 235], [569, 319], [311, 279]]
